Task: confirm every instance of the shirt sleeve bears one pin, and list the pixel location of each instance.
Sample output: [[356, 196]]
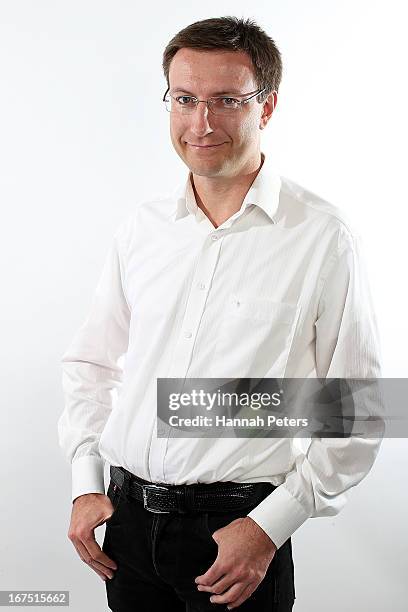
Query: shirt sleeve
[[346, 346], [92, 373]]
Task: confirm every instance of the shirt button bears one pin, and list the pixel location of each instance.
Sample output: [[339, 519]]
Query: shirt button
[[214, 236], [201, 286], [187, 334]]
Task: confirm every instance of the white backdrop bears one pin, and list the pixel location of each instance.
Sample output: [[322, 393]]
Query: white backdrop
[[84, 137]]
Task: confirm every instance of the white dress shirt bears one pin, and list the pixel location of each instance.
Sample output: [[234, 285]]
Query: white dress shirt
[[277, 290]]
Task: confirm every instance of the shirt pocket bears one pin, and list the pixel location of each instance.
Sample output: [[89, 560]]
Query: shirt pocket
[[254, 338]]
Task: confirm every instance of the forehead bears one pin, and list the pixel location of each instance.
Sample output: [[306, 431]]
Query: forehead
[[210, 71]]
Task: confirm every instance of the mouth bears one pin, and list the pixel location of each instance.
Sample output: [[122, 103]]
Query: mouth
[[197, 146]]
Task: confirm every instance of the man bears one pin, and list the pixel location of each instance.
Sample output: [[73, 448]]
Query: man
[[240, 273]]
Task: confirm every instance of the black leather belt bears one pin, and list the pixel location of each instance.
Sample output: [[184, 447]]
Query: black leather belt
[[165, 498]]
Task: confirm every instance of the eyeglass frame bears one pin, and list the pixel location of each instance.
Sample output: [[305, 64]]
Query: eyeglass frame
[[240, 102]]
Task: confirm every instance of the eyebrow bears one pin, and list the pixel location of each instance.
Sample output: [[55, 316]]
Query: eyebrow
[[218, 93]]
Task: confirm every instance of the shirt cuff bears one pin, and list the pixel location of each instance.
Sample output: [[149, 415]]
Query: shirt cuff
[[279, 515], [87, 476]]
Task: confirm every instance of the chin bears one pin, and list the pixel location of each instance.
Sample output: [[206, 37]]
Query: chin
[[208, 172], [205, 168]]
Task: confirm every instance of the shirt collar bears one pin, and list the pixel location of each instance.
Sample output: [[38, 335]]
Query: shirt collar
[[264, 192]]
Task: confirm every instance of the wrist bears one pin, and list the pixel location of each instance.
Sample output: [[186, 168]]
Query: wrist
[[263, 535]]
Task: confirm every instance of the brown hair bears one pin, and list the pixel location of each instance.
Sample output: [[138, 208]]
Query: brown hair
[[234, 34]]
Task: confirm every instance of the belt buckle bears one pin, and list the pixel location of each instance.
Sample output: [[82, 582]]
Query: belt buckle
[[145, 504]]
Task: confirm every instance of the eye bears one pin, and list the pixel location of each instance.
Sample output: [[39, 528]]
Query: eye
[[183, 100], [230, 102]]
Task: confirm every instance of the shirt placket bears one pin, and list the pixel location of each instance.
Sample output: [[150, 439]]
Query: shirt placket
[[183, 351], [197, 298]]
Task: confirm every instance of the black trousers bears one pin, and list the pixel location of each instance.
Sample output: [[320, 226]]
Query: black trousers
[[158, 557]]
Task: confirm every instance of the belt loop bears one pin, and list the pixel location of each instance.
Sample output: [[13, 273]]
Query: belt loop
[[189, 498], [181, 499], [126, 482], [121, 477]]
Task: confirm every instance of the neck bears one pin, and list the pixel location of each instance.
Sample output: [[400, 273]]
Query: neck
[[220, 197]]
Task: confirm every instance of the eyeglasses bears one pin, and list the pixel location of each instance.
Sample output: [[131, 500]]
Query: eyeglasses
[[221, 105]]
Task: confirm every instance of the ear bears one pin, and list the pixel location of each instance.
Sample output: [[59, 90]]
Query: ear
[[269, 106]]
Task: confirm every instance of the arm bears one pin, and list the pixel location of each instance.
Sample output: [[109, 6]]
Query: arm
[[92, 374], [347, 346]]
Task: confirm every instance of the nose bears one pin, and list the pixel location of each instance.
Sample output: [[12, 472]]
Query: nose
[[200, 120]]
